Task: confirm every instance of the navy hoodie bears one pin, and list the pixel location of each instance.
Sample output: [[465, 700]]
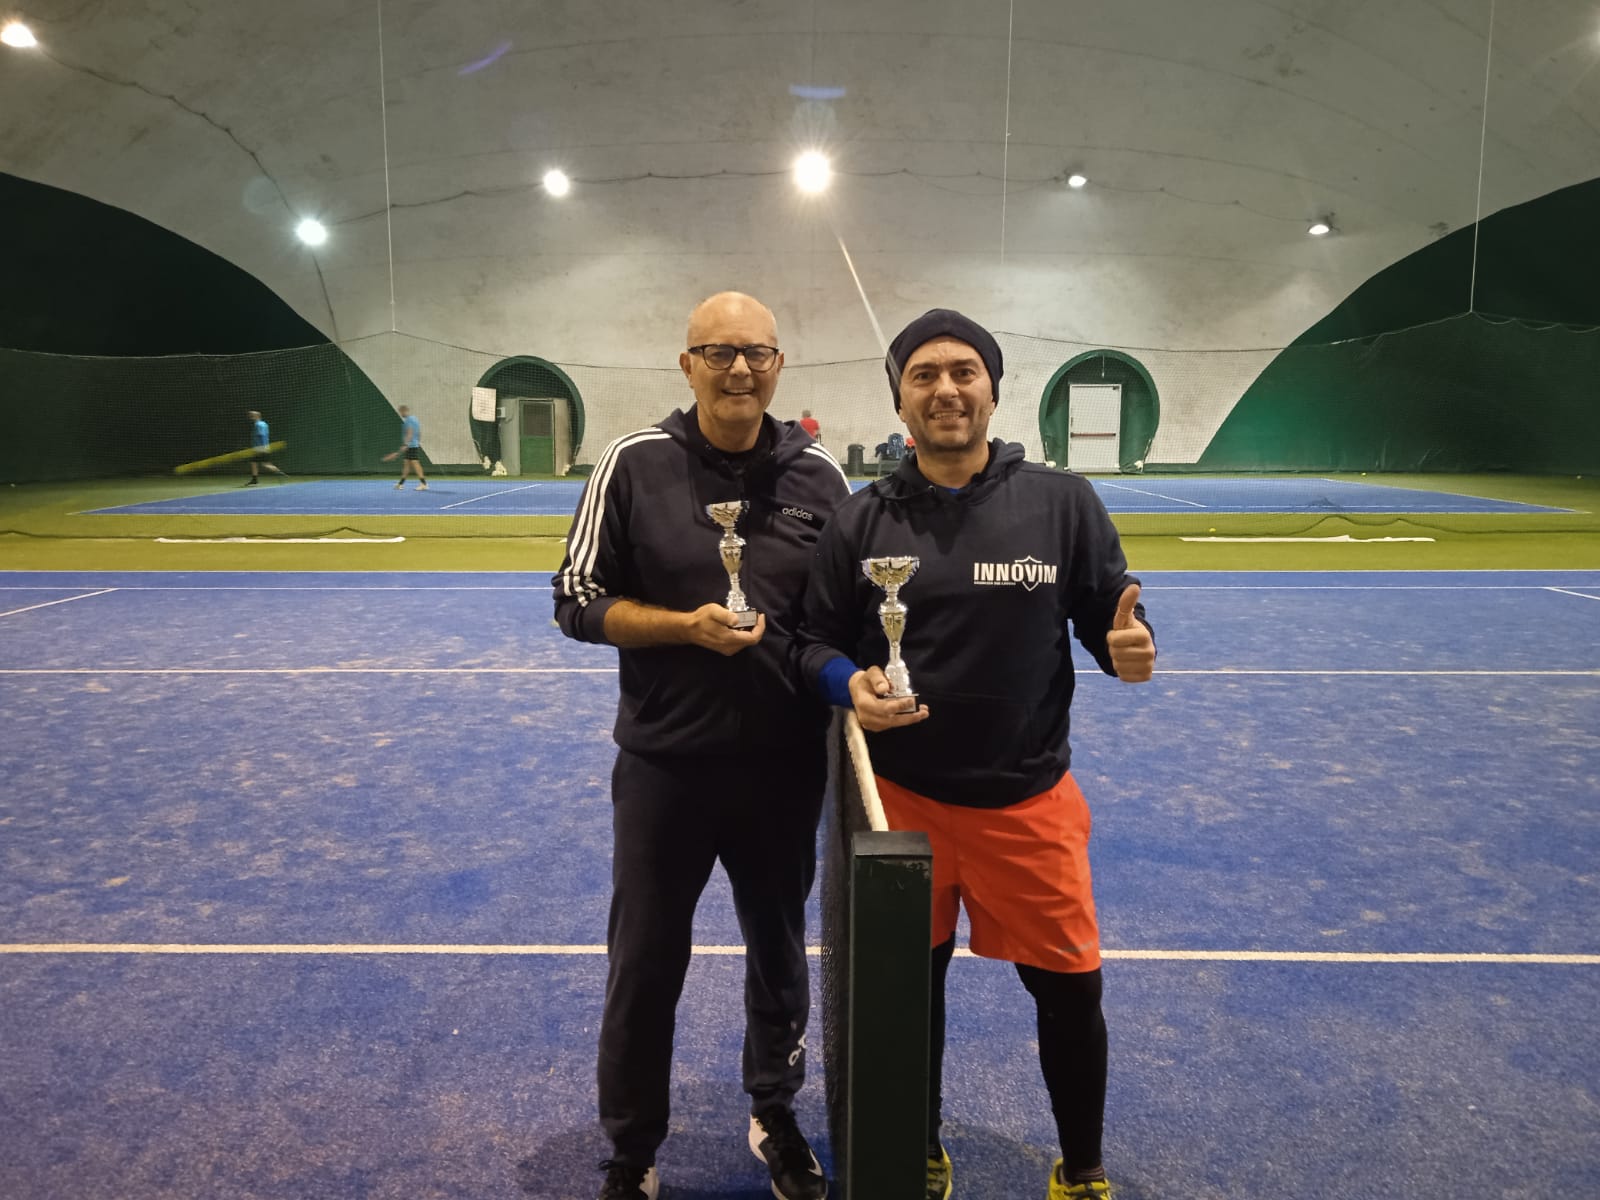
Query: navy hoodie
[[1006, 563], [641, 533]]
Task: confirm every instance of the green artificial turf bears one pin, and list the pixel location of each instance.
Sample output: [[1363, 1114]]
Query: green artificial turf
[[47, 527]]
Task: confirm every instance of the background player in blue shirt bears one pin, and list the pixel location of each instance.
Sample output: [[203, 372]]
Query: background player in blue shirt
[[410, 452], [260, 439]]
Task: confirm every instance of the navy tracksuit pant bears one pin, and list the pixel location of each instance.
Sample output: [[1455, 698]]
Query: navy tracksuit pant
[[673, 819]]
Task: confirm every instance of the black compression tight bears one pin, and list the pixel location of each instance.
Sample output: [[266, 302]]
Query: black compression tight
[[939, 967], [1072, 1053]]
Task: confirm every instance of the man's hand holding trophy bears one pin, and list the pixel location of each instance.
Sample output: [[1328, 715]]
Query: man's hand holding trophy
[[733, 625], [883, 696]]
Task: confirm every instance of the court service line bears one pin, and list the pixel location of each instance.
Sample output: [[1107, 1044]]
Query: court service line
[[1158, 585], [1122, 487], [490, 496], [65, 600], [312, 670], [1223, 510], [1583, 673], [269, 587], [354, 949], [1425, 492], [1352, 956], [1154, 578], [1568, 592]]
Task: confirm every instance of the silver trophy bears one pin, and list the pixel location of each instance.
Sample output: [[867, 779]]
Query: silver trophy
[[891, 574], [727, 514]]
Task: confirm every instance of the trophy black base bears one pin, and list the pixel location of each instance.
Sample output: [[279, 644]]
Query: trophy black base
[[908, 700], [745, 620]]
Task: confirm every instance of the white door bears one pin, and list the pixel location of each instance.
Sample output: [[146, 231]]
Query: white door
[[1094, 426]]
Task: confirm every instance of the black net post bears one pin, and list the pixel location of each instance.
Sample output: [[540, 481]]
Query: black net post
[[887, 1134], [877, 897]]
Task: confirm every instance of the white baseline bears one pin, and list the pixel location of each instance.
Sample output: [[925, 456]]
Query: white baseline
[[537, 949]]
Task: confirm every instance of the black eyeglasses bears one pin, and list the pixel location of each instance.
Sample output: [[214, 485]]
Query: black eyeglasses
[[719, 356]]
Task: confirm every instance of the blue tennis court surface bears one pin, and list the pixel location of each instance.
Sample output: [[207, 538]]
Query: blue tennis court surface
[[451, 496], [445, 496], [1171, 494], [304, 883]]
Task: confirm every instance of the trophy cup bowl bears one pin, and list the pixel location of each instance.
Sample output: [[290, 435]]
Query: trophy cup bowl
[[891, 574], [726, 514]]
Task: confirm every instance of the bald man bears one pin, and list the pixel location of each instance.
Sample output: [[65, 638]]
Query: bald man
[[720, 747]]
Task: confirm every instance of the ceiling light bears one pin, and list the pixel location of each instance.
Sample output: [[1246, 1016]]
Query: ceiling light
[[19, 35], [1077, 181], [812, 172], [557, 183], [809, 92], [312, 233], [1321, 228]]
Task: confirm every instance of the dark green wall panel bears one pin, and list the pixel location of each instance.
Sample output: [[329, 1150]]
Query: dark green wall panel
[[1447, 391], [1467, 394], [125, 348]]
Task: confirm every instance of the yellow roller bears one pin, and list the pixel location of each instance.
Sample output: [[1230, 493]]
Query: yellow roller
[[231, 457]]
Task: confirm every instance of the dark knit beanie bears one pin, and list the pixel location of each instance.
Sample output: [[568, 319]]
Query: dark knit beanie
[[942, 322]]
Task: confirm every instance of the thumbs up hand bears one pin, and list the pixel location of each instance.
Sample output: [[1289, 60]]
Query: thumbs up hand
[[1133, 650]]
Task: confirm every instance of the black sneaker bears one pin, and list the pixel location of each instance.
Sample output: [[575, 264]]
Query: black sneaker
[[628, 1183], [777, 1141]]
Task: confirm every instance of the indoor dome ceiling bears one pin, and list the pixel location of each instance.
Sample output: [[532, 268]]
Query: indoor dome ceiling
[[1211, 136]]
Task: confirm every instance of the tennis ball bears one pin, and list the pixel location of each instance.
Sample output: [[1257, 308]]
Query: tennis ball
[[1213, 529]]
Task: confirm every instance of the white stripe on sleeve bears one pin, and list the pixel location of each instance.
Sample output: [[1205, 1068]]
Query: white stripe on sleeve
[[583, 545]]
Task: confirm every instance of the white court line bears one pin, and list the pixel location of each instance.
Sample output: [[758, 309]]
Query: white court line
[[1350, 956], [1341, 539], [65, 600], [1122, 487], [1336, 510], [1273, 571], [533, 587], [1567, 592], [1585, 672], [267, 587], [1158, 586], [490, 495], [1439, 492], [296, 588], [539, 950], [326, 670], [1153, 576]]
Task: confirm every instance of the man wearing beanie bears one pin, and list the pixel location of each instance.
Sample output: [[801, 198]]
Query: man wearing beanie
[[1010, 554]]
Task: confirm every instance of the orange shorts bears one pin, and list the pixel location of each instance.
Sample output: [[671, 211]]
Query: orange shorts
[[1022, 872]]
